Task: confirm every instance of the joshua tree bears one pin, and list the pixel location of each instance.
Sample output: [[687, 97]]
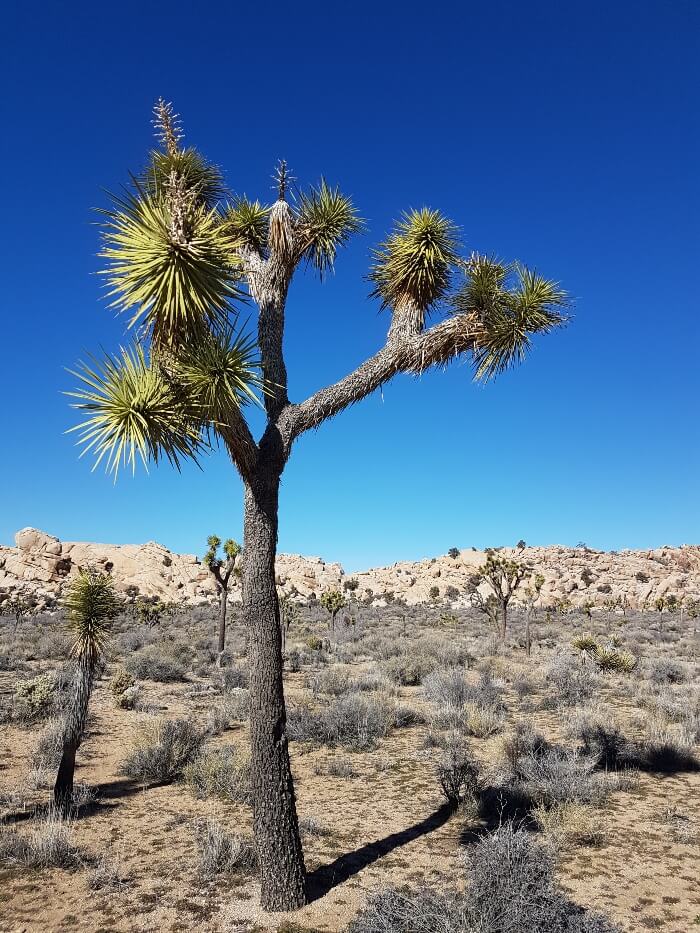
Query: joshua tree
[[532, 594], [503, 578], [222, 568], [179, 253], [289, 613], [332, 601], [92, 605], [19, 607], [453, 553]]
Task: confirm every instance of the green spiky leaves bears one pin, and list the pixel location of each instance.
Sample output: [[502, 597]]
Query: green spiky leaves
[[512, 303], [152, 411], [171, 262], [133, 412], [247, 223], [325, 221], [412, 268], [219, 374], [201, 179], [92, 604]]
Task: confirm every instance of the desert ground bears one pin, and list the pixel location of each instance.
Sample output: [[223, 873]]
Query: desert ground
[[589, 746]]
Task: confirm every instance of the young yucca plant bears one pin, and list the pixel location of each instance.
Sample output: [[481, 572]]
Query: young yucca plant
[[584, 643], [610, 659], [91, 604]]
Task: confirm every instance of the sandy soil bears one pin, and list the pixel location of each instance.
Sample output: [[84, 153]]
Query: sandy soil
[[385, 826]]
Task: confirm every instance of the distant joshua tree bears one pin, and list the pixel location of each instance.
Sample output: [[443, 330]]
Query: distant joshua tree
[[332, 601], [503, 577], [180, 253], [92, 605], [19, 608], [289, 613], [453, 553], [222, 568]]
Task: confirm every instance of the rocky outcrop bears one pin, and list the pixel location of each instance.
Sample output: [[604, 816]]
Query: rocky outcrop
[[40, 565]]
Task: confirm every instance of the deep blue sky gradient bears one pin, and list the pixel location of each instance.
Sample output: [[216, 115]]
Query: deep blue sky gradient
[[565, 135]]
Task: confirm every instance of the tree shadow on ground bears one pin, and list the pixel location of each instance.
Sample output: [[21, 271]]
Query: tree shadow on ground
[[326, 877], [105, 793]]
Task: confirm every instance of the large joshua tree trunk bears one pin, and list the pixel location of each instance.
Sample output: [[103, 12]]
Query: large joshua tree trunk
[[76, 717], [279, 849]]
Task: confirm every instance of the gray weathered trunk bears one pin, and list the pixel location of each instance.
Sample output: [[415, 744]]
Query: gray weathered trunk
[[76, 718], [282, 874], [223, 599]]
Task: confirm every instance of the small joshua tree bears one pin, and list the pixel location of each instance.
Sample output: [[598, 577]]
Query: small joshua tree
[[92, 605], [332, 601], [19, 608], [453, 553], [503, 577], [289, 613], [222, 568], [532, 594]]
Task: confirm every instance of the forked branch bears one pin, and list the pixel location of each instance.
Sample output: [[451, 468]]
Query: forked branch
[[412, 354]]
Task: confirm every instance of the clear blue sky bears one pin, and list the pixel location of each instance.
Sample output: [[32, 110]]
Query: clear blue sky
[[565, 135]]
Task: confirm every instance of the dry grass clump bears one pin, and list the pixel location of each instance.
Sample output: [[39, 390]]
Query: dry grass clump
[[107, 873], [572, 823], [48, 844], [220, 852], [351, 719], [222, 772]]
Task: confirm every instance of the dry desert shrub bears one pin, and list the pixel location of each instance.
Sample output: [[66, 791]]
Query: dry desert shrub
[[222, 772], [48, 844], [220, 852], [162, 750], [511, 888], [152, 663]]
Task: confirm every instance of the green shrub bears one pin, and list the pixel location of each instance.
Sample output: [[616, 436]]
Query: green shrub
[[36, 698]]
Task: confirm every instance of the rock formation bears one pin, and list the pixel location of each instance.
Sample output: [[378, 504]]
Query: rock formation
[[39, 566]]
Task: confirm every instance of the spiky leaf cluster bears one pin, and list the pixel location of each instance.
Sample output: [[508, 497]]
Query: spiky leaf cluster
[[332, 601], [412, 268], [217, 564], [511, 303], [133, 410], [91, 604], [247, 223], [218, 374], [325, 221], [204, 181], [172, 263]]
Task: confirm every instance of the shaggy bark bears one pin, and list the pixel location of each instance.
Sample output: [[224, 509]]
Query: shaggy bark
[[74, 727], [223, 598], [282, 874]]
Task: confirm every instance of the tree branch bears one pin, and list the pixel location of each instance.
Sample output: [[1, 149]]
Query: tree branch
[[408, 353], [240, 443], [268, 281]]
